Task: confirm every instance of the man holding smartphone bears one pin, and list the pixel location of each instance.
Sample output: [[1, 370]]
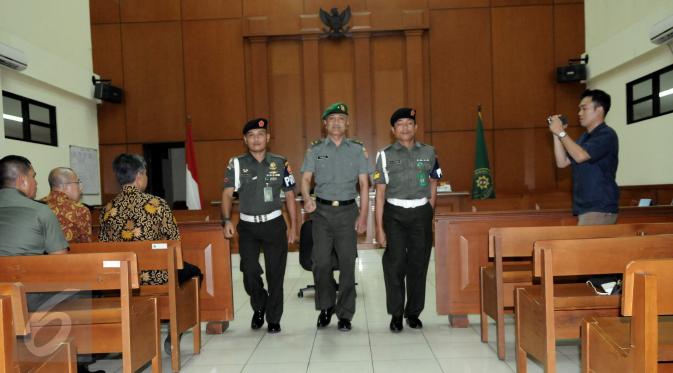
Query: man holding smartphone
[[594, 158]]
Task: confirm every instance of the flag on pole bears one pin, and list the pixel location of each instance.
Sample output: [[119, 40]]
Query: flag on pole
[[482, 179], [192, 188]]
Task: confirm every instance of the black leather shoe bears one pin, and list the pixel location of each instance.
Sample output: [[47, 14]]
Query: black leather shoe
[[396, 324], [273, 327], [344, 325], [257, 319], [167, 344], [325, 317], [414, 322]]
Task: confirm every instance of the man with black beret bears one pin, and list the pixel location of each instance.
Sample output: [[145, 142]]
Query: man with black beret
[[339, 164], [406, 177], [259, 177]]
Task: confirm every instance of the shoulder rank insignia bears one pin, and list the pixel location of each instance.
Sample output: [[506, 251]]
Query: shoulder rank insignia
[[357, 142]]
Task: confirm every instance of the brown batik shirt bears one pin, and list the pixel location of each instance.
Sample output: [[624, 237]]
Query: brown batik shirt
[[74, 217], [136, 216]]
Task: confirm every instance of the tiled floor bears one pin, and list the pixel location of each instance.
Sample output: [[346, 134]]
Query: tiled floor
[[369, 347]]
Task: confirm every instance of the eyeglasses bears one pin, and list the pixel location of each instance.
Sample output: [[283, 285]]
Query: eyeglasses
[[75, 182]]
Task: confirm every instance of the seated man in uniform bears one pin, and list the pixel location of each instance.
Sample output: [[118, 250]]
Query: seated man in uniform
[[63, 200]]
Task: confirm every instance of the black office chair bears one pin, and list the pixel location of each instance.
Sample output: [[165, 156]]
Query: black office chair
[[305, 250]]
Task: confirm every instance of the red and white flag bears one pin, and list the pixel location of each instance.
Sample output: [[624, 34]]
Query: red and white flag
[[193, 196]]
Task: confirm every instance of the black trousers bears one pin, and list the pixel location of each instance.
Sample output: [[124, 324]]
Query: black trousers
[[409, 243], [271, 237], [334, 232]]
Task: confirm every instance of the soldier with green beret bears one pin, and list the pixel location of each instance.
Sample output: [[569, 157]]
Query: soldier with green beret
[[339, 165], [406, 177], [259, 177]]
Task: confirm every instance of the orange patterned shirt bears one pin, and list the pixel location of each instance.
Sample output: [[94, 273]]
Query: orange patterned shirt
[[74, 217]]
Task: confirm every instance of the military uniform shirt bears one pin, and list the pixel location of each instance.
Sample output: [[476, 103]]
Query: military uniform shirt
[[273, 171], [27, 227], [407, 171], [336, 169]]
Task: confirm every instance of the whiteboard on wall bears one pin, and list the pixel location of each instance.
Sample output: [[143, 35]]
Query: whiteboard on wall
[[85, 163]]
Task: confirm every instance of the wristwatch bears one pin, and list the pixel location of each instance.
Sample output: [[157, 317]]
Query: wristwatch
[[562, 134]]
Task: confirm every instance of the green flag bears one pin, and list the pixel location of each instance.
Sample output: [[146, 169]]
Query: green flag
[[482, 180]]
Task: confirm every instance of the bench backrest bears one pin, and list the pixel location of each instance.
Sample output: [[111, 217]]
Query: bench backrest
[[150, 254], [16, 292], [51, 273], [597, 256], [518, 241], [662, 270]]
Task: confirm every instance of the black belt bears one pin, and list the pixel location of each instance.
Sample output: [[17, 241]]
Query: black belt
[[334, 203]]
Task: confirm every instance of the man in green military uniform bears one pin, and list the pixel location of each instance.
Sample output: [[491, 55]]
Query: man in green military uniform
[[259, 177], [406, 177], [339, 164]]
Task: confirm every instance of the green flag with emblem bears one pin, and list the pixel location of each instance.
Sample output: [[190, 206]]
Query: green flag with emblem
[[482, 179]]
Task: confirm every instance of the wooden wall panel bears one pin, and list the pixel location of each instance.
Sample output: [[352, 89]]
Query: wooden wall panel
[[524, 160], [286, 100], [150, 10], [154, 86], [460, 67], [374, 5], [107, 62], [209, 9], [212, 158], [336, 75], [388, 64], [256, 8], [450, 4], [569, 43], [455, 151], [523, 67], [513, 3], [214, 78], [107, 154], [104, 11], [314, 6]]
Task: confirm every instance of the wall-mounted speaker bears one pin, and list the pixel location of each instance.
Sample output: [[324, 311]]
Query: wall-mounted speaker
[[108, 92], [571, 73]]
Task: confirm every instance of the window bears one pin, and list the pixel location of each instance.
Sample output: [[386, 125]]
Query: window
[[650, 96], [28, 120]]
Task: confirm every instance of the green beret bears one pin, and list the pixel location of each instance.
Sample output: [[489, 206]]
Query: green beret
[[335, 108], [256, 123], [401, 113]]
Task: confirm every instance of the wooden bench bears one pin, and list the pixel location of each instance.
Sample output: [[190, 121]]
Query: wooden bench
[[178, 303], [17, 356], [127, 324], [547, 312], [637, 343], [499, 278], [461, 248]]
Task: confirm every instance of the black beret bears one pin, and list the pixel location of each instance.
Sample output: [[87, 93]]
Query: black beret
[[256, 123], [405, 112]]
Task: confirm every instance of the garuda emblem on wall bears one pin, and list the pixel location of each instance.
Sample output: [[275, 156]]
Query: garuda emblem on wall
[[336, 23]]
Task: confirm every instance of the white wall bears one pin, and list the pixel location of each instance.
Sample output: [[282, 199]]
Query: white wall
[[56, 38], [620, 51]]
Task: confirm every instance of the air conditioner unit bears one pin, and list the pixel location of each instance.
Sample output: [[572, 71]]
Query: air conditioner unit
[[13, 58], [662, 31]]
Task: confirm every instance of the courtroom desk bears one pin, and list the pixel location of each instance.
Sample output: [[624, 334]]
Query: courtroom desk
[[461, 248]]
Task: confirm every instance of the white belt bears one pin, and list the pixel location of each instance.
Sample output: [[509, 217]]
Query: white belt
[[407, 203], [260, 218]]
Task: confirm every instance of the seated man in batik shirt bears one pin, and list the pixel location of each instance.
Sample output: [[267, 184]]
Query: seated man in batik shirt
[[63, 200], [134, 215]]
